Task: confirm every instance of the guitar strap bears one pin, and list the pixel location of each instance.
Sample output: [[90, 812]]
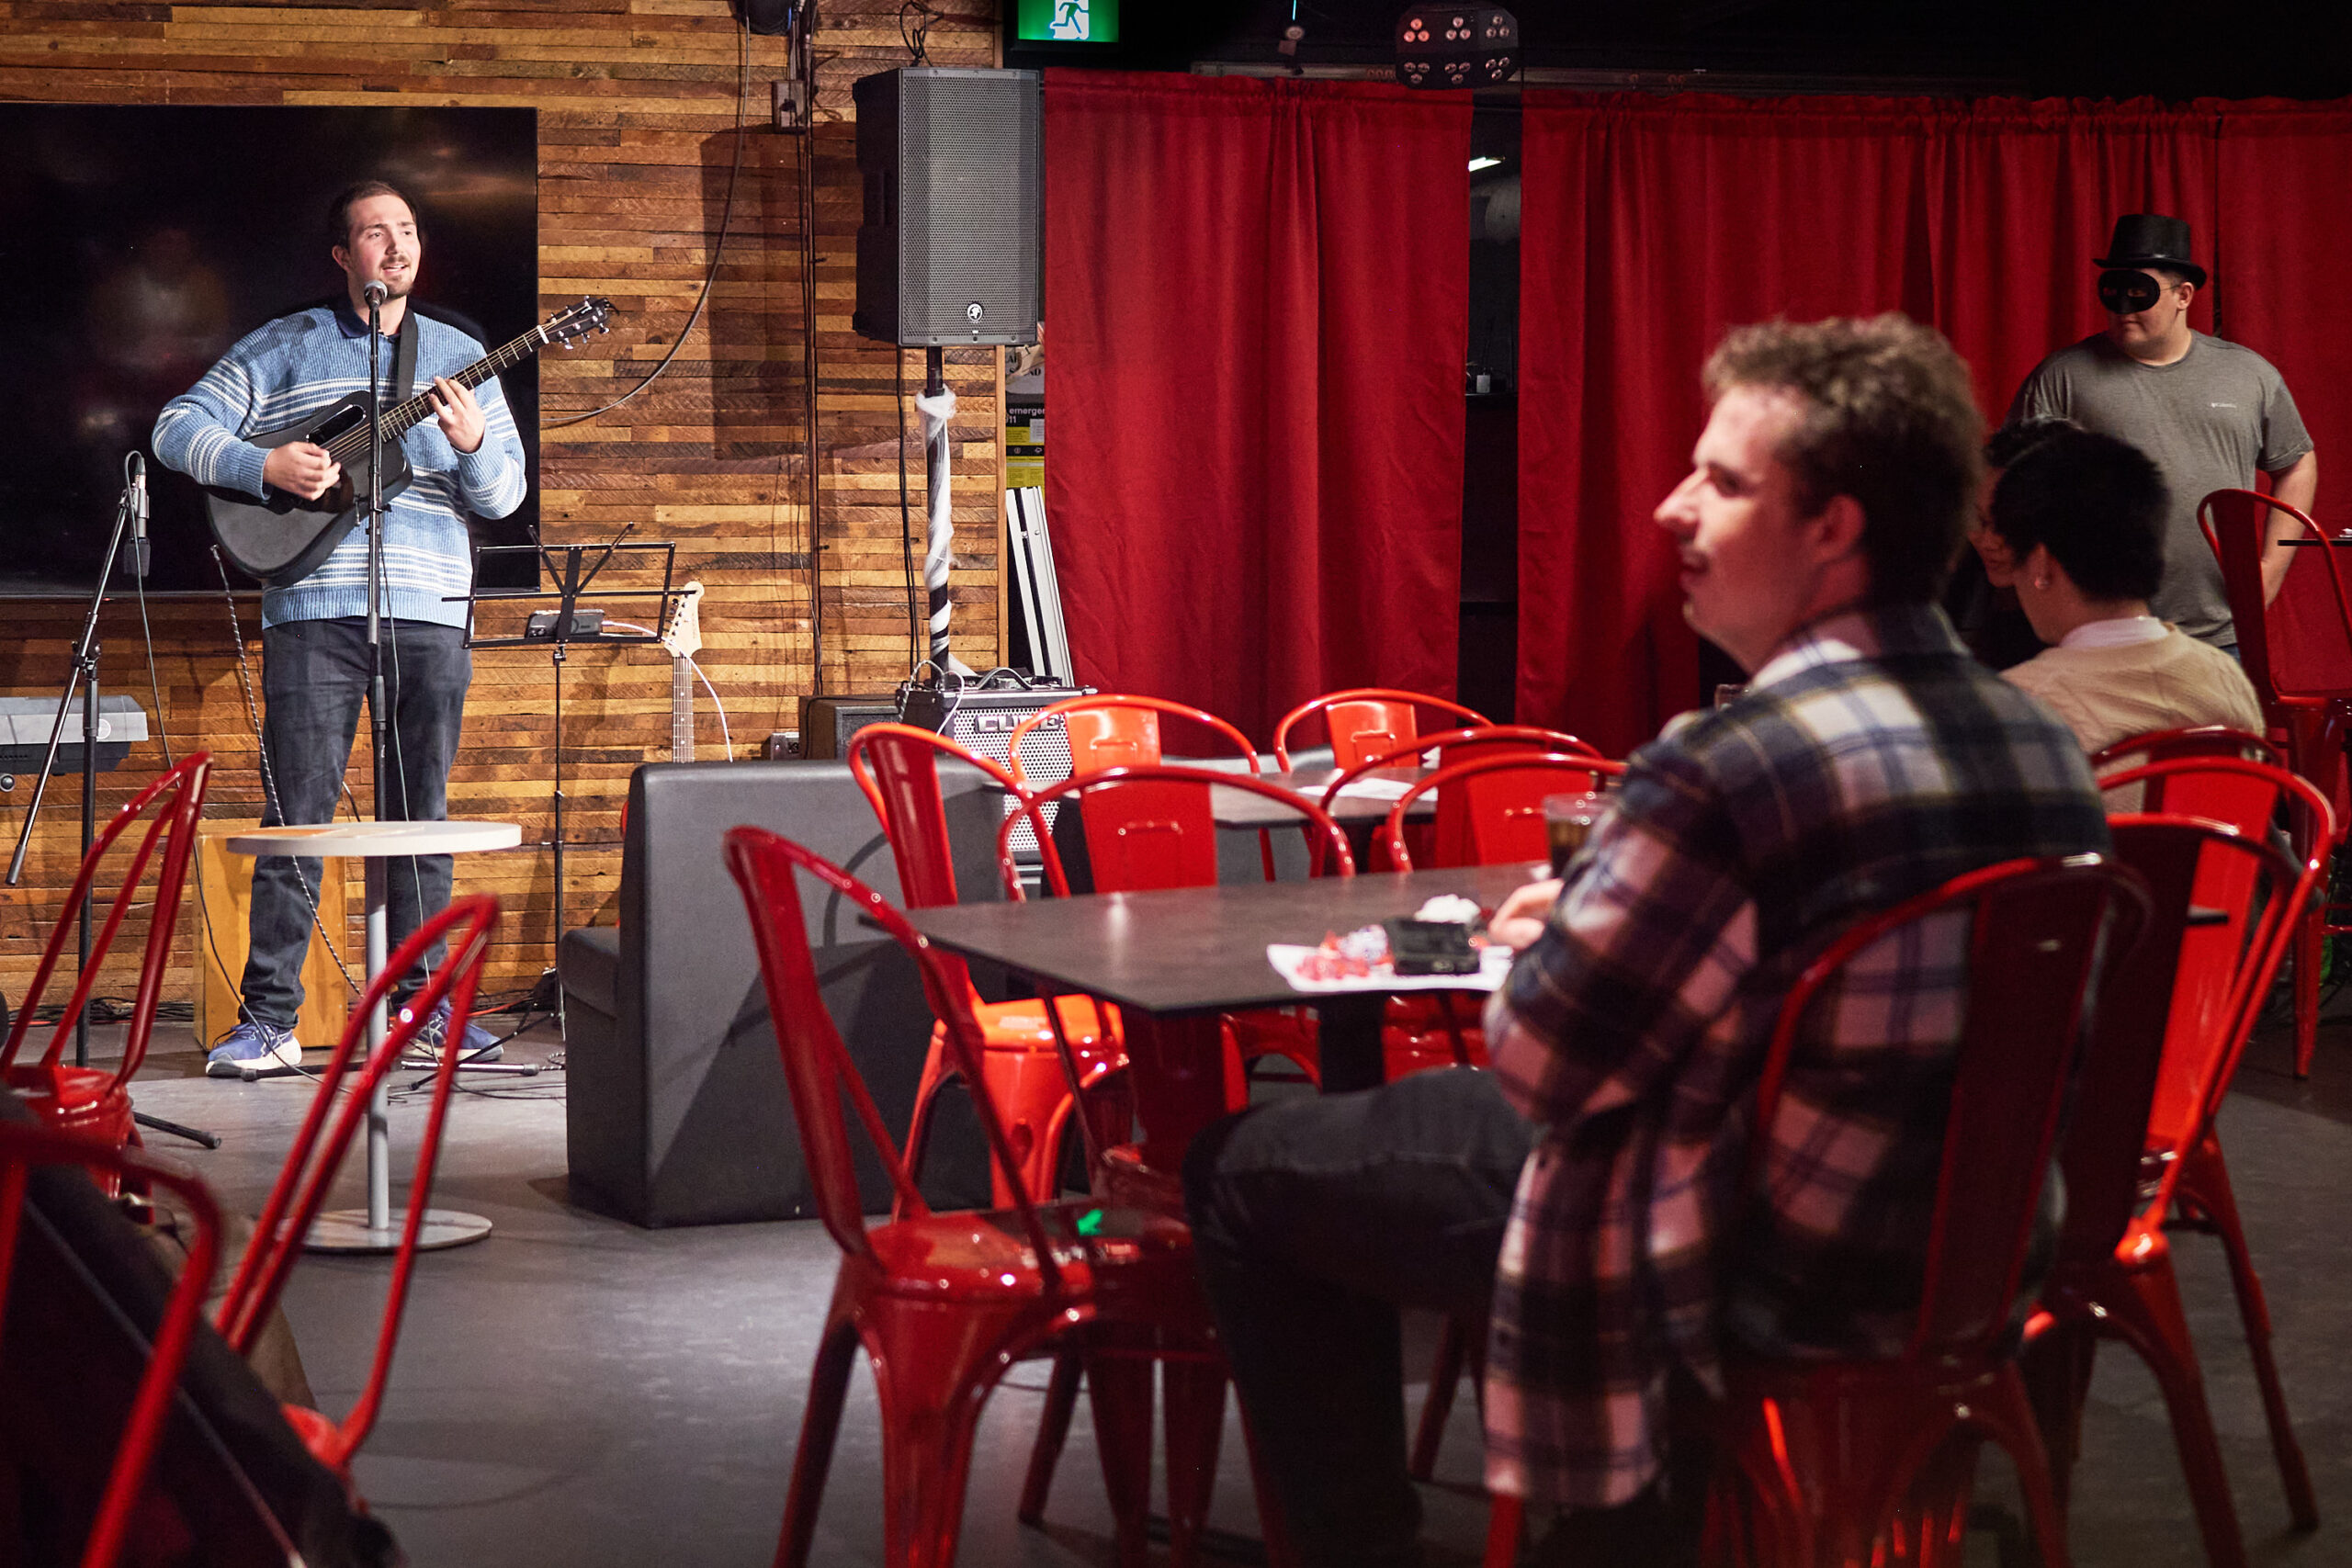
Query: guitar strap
[[404, 357]]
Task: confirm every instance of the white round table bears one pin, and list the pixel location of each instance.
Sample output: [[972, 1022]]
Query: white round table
[[377, 1228]]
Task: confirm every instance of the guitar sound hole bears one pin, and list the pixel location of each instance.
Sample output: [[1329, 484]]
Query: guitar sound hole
[[341, 421]]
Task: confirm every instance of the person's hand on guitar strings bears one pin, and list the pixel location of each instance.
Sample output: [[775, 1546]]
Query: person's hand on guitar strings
[[458, 414], [301, 469]]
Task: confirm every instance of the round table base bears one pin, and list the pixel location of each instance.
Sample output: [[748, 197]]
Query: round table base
[[346, 1230]]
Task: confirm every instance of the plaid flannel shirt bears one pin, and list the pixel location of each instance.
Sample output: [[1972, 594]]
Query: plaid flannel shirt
[[1871, 760]]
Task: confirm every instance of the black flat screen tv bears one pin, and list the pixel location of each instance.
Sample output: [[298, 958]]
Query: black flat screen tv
[[138, 241]]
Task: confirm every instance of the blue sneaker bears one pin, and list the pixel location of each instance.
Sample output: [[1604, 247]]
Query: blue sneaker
[[424, 1048], [253, 1048]]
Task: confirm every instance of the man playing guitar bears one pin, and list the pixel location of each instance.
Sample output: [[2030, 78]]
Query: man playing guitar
[[315, 665]]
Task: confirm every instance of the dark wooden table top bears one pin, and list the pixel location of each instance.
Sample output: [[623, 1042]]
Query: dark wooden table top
[[1194, 949]]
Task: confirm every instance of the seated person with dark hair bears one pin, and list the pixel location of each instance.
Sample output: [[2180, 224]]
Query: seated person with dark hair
[[1983, 611], [1591, 1184], [2077, 524]]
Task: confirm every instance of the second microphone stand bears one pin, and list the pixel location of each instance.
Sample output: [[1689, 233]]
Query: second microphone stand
[[84, 676]]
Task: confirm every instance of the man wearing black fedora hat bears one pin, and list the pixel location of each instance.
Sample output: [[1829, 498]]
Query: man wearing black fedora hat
[[2212, 413]]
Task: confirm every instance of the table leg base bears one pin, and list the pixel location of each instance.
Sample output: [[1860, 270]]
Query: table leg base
[[346, 1230]]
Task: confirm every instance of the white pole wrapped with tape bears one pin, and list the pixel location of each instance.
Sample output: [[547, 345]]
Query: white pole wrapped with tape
[[936, 404]]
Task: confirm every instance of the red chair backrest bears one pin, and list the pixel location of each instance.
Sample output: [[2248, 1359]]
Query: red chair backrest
[[2034, 932], [1490, 808], [1364, 719], [1153, 828], [2197, 740], [1448, 835], [22, 1147], [898, 767], [317, 1153], [2124, 1050], [2222, 978], [817, 1067], [177, 798], [2236, 522], [2215, 795], [1114, 730]]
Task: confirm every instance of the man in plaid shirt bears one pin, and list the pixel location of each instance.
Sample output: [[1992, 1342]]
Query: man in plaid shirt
[[1591, 1180]]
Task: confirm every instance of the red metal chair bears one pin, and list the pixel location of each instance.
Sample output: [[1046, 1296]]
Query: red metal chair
[[1452, 746], [2228, 961], [1837, 1447], [1364, 719], [1496, 805], [1820, 1459], [96, 1101], [1161, 835], [2113, 1275], [944, 1303], [2308, 707], [317, 1153], [22, 1147], [897, 766]]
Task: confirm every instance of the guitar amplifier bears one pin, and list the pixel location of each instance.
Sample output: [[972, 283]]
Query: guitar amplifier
[[979, 720]]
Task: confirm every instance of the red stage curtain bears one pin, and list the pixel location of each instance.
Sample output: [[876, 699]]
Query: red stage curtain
[[1650, 226], [2285, 236], [1259, 298]]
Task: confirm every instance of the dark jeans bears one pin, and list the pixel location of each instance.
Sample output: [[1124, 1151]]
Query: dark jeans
[[314, 679], [1315, 1220]]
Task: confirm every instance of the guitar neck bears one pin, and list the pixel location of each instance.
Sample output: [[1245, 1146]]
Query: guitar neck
[[401, 418], [682, 711]]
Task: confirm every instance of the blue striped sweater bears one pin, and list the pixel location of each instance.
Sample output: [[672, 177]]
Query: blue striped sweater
[[299, 364]]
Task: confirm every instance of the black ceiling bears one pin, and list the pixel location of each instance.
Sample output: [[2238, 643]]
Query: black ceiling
[[2117, 49]]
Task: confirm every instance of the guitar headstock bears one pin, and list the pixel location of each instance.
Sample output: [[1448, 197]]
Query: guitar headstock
[[684, 638], [575, 322]]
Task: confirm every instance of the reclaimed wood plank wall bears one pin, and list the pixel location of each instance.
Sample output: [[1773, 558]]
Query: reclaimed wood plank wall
[[638, 108]]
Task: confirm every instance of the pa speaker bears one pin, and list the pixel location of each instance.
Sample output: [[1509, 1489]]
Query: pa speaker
[[951, 245]]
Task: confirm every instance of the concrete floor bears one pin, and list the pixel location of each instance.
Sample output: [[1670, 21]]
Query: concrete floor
[[574, 1390]]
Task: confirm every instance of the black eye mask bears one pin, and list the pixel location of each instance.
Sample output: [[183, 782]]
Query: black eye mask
[[2123, 291]]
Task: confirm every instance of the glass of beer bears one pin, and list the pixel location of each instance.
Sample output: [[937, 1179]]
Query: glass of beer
[[1567, 823]]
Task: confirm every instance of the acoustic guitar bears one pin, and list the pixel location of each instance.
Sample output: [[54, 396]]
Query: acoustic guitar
[[283, 539]]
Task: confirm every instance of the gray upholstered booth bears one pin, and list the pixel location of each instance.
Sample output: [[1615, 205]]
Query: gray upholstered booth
[[677, 1112]]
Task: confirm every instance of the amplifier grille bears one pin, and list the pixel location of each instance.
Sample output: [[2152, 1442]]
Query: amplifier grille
[[984, 723]]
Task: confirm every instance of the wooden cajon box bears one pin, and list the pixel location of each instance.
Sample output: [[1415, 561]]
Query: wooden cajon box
[[225, 889]]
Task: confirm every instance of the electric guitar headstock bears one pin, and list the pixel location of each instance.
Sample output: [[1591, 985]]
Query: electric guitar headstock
[[684, 636]]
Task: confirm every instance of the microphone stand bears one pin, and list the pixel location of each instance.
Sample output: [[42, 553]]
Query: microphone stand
[[84, 675]]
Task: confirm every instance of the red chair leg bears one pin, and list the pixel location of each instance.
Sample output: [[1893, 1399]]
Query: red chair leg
[[2206, 1184], [933, 1367], [2057, 1368], [2005, 1413], [1053, 1431], [827, 1385], [1504, 1517], [1445, 1376], [1193, 1395], [2146, 1314], [1118, 1387]]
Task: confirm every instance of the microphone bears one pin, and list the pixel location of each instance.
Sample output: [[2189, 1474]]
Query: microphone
[[138, 514], [375, 293]]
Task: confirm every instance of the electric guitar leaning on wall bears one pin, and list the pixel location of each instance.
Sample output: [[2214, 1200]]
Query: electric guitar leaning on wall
[[684, 639], [283, 539]]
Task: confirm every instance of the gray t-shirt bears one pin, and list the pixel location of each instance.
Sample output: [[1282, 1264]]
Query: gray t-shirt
[[2209, 420]]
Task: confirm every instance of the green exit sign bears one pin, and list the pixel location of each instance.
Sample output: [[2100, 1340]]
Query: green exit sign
[[1068, 21]]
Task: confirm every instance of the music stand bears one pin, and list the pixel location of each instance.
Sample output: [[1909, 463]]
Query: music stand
[[573, 570]]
